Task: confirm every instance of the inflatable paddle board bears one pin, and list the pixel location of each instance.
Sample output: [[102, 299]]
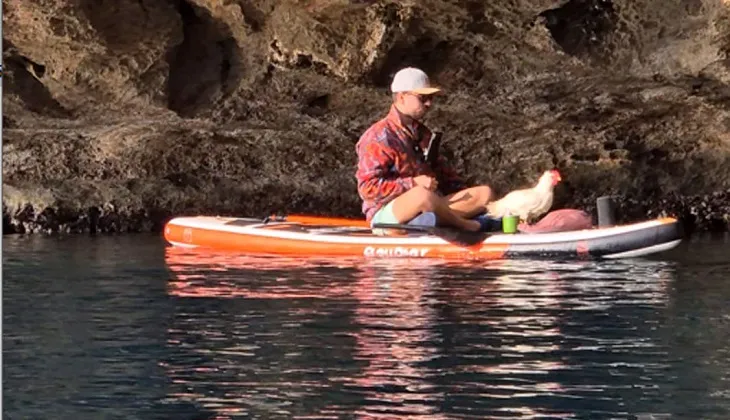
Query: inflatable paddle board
[[322, 236]]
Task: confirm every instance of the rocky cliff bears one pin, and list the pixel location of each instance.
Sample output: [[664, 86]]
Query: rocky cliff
[[119, 114]]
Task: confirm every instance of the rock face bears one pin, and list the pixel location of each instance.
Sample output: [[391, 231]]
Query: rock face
[[119, 114]]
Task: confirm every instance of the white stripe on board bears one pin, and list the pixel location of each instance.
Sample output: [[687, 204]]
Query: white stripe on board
[[645, 251]]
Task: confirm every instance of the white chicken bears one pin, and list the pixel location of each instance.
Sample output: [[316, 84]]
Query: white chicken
[[529, 203]]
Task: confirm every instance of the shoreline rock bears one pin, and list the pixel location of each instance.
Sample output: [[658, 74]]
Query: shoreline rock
[[709, 213], [250, 108]]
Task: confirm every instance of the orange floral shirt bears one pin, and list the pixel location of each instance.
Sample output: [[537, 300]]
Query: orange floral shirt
[[390, 155]]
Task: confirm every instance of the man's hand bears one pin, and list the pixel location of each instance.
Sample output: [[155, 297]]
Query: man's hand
[[426, 182]]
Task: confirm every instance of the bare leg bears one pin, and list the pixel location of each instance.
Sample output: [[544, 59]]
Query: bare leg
[[418, 199], [470, 201]]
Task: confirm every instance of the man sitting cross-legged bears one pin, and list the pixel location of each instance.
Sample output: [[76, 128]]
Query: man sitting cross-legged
[[394, 180]]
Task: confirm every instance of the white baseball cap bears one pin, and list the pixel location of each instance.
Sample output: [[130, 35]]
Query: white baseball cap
[[411, 79]]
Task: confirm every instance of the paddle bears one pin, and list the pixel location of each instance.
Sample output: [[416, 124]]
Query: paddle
[[453, 235], [432, 152]]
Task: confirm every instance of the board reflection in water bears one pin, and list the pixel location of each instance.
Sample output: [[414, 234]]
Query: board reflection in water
[[426, 339]]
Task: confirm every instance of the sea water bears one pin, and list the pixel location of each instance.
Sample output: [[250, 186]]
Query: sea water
[[126, 327]]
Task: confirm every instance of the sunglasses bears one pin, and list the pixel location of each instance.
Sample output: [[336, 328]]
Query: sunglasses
[[422, 98]]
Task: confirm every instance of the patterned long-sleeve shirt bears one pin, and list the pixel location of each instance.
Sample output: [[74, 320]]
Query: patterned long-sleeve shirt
[[388, 161]]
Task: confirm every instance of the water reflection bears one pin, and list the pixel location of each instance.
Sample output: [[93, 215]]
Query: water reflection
[[393, 316], [415, 338], [541, 332], [121, 326]]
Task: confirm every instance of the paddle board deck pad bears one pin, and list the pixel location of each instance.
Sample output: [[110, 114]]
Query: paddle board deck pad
[[322, 236]]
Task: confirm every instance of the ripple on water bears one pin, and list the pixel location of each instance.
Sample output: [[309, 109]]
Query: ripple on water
[[138, 331], [523, 339]]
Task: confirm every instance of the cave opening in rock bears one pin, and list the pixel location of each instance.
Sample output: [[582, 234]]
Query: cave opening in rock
[[427, 53], [22, 77], [205, 65], [581, 26]]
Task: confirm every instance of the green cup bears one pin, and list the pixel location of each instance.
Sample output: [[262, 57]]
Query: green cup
[[509, 224]]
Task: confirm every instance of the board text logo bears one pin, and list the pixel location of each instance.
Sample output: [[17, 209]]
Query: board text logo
[[399, 251]]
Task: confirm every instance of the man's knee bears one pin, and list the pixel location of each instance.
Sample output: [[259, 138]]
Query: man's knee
[[425, 198], [485, 193]]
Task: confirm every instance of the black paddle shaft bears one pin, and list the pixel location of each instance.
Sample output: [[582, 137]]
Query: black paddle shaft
[[432, 152]]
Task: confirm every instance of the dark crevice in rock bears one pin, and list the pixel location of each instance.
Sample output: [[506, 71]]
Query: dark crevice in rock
[[111, 19], [712, 91], [303, 61], [38, 70], [581, 26], [316, 105], [9, 122], [299, 61], [205, 66], [252, 16], [22, 77], [478, 24], [275, 49], [268, 74], [427, 53], [143, 7], [319, 101], [227, 50], [586, 156]]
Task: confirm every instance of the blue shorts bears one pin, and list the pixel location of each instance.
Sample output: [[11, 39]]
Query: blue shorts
[[385, 215]]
